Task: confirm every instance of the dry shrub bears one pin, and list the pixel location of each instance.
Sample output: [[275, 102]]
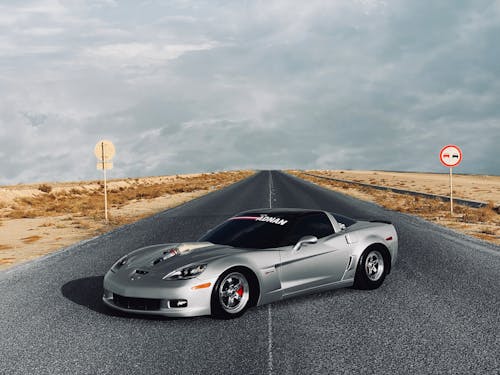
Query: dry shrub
[[7, 260], [122, 220], [25, 200], [45, 188], [80, 224], [5, 247], [489, 231], [18, 213], [481, 215], [46, 225], [149, 191], [30, 239]]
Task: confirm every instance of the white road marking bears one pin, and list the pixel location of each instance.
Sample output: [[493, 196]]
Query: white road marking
[[270, 190], [269, 341], [269, 317]]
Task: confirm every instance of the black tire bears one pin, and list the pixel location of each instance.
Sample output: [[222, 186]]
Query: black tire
[[231, 295], [372, 268]]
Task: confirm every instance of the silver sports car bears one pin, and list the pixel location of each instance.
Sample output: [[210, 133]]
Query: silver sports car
[[253, 258]]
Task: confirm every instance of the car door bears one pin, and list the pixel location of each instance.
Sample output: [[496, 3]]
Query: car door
[[313, 265]]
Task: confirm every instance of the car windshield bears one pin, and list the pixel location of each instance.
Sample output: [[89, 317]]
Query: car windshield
[[262, 231]]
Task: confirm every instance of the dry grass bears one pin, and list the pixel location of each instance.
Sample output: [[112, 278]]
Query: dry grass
[[81, 224], [7, 260], [5, 247], [482, 222], [90, 203], [31, 239], [46, 225], [45, 188]]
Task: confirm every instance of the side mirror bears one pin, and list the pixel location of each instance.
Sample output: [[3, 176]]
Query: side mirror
[[304, 240]]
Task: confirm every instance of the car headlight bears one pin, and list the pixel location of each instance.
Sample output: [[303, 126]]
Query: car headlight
[[119, 263], [189, 272]]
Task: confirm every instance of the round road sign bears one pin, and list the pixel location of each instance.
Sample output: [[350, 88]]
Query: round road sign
[[450, 156], [104, 150]]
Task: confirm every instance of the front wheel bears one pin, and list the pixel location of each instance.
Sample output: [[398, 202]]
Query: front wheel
[[371, 270], [231, 295]]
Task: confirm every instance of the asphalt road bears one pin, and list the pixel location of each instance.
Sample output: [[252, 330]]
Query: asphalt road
[[437, 312]]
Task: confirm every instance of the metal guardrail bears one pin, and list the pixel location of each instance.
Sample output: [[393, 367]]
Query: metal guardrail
[[463, 202]]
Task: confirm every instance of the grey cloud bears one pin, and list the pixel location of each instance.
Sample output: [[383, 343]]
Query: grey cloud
[[366, 85], [35, 119]]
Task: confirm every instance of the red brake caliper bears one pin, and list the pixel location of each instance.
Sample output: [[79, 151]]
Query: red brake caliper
[[240, 291]]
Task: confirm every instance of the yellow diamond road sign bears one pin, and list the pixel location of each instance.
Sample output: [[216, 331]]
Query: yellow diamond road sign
[[104, 151]]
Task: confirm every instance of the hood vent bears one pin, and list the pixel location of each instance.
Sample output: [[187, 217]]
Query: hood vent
[[166, 254], [141, 272], [156, 261]]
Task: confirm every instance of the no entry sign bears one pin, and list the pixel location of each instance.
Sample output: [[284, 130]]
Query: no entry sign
[[450, 156]]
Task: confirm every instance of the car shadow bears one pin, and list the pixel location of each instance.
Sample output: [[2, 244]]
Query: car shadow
[[88, 292]]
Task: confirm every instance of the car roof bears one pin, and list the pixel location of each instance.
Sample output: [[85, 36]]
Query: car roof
[[278, 211]]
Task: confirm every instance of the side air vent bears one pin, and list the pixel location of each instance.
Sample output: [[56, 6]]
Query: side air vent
[[350, 266]]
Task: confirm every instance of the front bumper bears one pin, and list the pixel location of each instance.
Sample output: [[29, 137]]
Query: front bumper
[[157, 297]]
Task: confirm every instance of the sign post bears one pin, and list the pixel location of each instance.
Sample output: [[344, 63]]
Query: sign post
[[451, 156], [104, 152]]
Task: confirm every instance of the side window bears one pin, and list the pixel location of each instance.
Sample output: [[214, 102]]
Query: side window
[[343, 220], [317, 224]]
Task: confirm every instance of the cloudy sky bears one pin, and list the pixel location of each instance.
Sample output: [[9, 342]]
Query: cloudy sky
[[186, 86]]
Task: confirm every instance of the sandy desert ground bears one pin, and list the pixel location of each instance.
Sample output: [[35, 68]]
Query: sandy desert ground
[[483, 223], [36, 219], [474, 187]]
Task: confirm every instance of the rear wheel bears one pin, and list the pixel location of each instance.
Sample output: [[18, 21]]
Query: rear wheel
[[231, 295], [372, 269]]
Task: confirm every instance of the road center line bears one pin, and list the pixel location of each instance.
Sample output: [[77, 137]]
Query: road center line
[[269, 341], [270, 190], [269, 317]]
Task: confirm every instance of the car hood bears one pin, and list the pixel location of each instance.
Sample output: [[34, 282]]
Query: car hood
[[162, 259]]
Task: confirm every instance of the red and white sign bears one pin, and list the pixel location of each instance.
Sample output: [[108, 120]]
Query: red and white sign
[[450, 156]]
